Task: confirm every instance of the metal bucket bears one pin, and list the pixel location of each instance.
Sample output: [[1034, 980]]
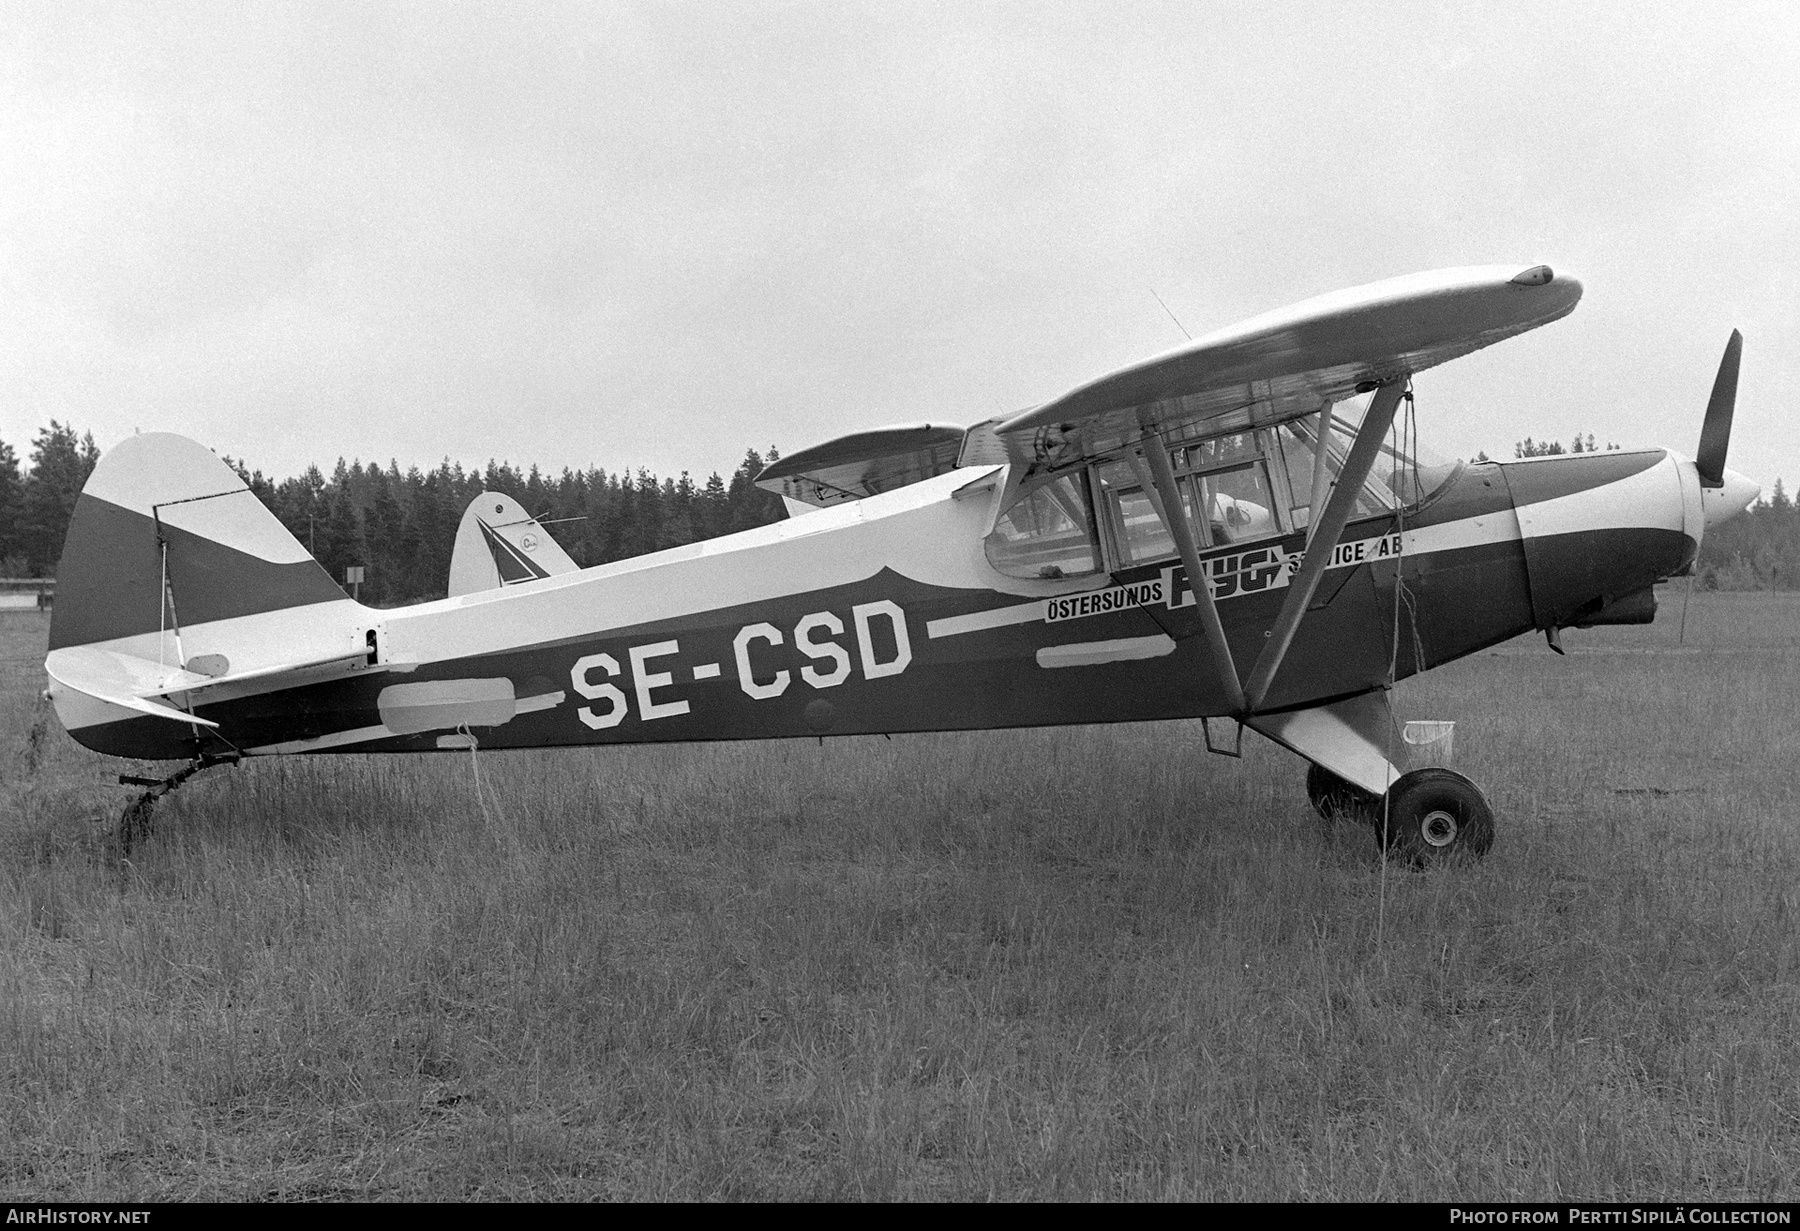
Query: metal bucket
[[1429, 742]]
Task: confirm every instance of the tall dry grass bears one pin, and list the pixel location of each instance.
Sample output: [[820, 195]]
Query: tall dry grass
[[1070, 963]]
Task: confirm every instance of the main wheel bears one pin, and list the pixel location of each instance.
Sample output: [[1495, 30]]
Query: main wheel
[[1336, 798], [1435, 816]]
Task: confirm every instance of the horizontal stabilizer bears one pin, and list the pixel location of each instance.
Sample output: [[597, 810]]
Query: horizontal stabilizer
[[279, 676], [141, 684], [120, 680], [864, 464]]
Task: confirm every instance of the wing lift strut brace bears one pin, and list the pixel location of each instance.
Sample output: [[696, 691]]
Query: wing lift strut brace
[[1246, 698]]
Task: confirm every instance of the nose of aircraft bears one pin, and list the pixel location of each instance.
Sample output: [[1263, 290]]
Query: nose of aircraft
[[1598, 527], [1729, 499]]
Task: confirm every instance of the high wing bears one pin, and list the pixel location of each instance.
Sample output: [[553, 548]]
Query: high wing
[[1283, 364], [864, 463]]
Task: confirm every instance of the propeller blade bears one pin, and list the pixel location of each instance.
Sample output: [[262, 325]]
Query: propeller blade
[[1715, 432]]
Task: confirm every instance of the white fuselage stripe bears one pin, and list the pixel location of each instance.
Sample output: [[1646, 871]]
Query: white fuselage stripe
[[980, 621], [1489, 528], [1640, 501]]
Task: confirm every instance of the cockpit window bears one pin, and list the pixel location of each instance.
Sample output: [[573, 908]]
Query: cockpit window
[[1401, 476], [1310, 476], [1139, 535], [1417, 478], [1219, 451], [1234, 488], [1048, 533], [1239, 503], [1226, 479]]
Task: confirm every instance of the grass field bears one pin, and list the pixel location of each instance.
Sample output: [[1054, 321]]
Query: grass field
[[1079, 963]]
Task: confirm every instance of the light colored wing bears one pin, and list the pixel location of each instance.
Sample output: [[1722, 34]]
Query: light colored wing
[[864, 463], [500, 544], [146, 686], [1287, 363]]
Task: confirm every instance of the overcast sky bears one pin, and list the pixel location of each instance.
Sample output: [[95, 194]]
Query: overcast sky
[[661, 234]]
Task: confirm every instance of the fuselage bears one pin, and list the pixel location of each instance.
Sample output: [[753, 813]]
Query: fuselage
[[885, 615]]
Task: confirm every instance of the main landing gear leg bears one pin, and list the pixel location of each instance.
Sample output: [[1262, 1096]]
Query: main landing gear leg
[[137, 820], [1424, 817], [1431, 815]]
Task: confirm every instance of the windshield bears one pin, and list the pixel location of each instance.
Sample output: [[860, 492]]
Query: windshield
[[1048, 533], [1404, 473]]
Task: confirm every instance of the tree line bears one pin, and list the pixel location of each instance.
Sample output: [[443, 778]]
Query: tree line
[[401, 525], [1758, 551], [35, 504], [1551, 448]]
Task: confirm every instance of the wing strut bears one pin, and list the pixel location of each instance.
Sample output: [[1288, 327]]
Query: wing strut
[[1323, 540], [1169, 508]]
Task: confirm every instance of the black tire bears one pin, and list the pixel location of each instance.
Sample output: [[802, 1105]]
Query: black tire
[[136, 822], [1435, 816], [1336, 799]]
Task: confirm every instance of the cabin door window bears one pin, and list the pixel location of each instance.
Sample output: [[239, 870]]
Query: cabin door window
[[1138, 533], [1239, 503], [1226, 495]]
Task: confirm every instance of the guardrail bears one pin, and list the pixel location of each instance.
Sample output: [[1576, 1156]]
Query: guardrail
[[27, 593]]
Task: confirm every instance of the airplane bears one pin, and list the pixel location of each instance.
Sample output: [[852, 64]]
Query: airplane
[[1034, 569]]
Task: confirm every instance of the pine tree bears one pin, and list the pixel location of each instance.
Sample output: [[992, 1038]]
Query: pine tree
[[60, 464], [339, 535], [12, 504], [712, 515], [750, 505]]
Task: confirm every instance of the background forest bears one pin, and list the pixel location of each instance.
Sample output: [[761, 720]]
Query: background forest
[[402, 525]]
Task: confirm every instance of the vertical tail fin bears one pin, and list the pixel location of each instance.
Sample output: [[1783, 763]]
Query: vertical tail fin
[[500, 544], [165, 533]]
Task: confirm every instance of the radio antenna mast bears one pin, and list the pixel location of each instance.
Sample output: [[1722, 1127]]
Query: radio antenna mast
[[1178, 324]]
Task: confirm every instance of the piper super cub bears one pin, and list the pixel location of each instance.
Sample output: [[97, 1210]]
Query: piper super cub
[[1035, 569]]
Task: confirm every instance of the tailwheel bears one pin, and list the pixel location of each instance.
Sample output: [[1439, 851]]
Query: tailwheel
[[1337, 799], [137, 821], [1435, 816]]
